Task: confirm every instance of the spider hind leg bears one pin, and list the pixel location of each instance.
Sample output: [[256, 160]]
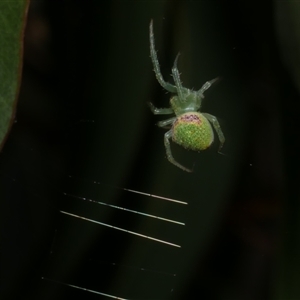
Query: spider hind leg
[[170, 157], [217, 128]]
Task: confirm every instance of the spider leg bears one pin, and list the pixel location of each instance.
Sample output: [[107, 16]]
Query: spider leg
[[217, 128], [166, 123], [167, 86], [160, 111], [206, 86], [170, 157], [176, 78]]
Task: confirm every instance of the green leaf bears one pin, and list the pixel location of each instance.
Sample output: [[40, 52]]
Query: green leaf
[[12, 23]]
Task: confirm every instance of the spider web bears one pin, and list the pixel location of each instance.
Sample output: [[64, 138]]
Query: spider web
[[134, 239], [109, 229]]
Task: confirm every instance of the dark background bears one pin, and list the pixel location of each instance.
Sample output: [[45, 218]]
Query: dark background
[[83, 128]]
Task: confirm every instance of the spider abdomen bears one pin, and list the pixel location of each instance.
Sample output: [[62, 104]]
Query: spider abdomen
[[192, 131]]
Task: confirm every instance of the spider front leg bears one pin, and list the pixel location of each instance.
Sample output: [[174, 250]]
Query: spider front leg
[[170, 157], [206, 86], [160, 111], [217, 128], [176, 78], [167, 86]]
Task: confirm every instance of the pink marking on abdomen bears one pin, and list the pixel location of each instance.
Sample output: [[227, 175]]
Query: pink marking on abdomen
[[191, 118]]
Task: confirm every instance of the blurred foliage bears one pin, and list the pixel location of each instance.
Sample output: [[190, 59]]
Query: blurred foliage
[[12, 23], [287, 270]]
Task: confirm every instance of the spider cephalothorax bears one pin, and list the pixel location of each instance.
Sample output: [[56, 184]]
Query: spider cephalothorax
[[189, 128]]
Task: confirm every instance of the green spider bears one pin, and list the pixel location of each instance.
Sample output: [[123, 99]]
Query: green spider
[[189, 128]]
